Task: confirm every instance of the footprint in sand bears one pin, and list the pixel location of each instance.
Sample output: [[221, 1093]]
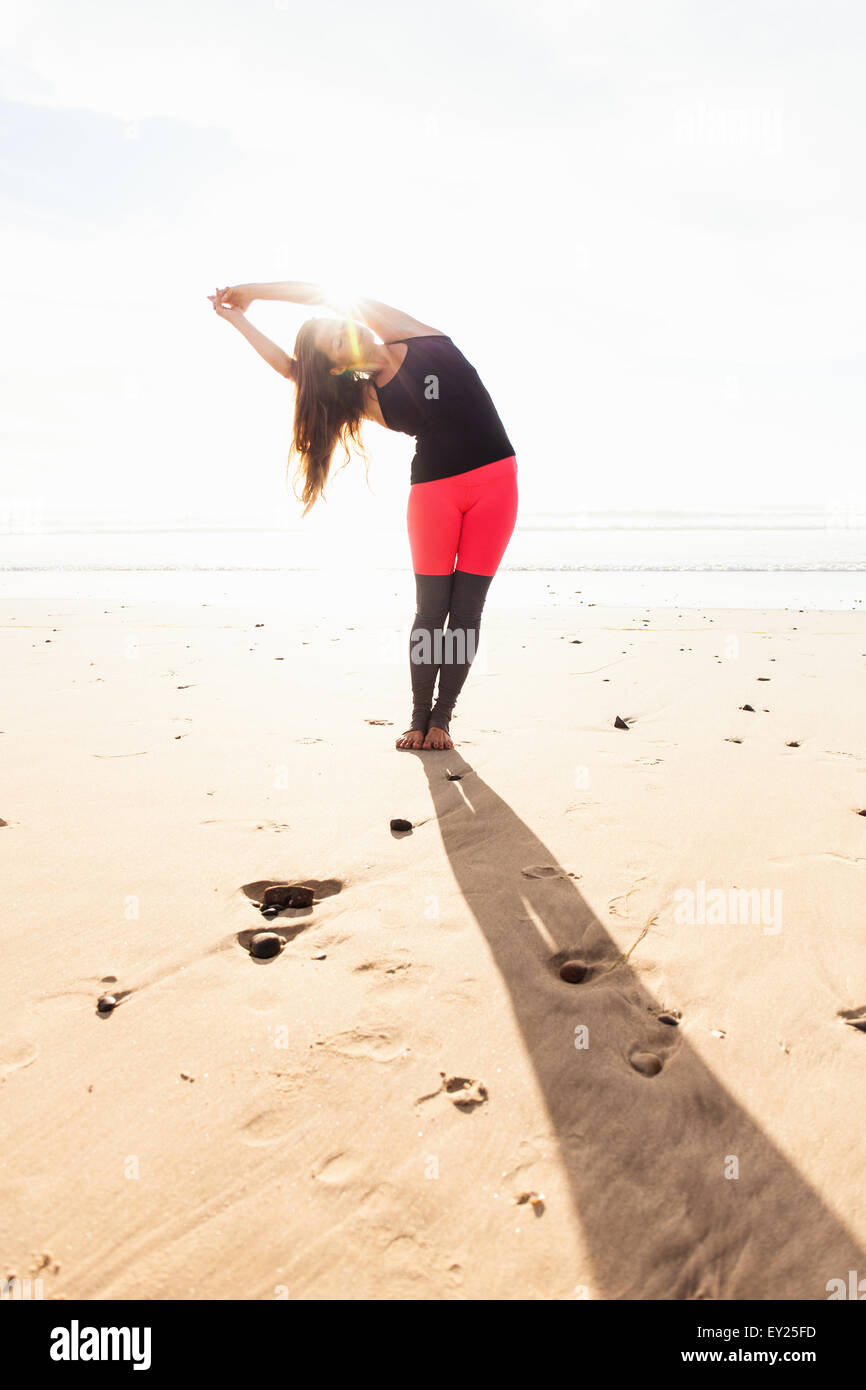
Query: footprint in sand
[[619, 906], [268, 1127], [393, 976], [16, 1053], [336, 1170], [386, 965], [383, 1044]]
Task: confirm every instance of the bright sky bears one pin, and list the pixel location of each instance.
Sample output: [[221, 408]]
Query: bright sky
[[643, 223]]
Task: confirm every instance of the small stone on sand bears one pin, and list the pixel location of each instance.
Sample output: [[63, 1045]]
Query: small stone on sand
[[619, 723], [265, 944], [401, 825], [572, 971], [647, 1063], [106, 1003], [536, 1199]]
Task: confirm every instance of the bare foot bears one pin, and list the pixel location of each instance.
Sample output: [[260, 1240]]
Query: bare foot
[[437, 738], [413, 738]]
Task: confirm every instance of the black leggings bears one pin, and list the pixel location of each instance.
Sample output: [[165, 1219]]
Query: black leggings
[[437, 650]]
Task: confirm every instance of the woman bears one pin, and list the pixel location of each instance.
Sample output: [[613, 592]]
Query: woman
[[463, 496]]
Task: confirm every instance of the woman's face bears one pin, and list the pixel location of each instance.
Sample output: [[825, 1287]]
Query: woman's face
[[344, 341]]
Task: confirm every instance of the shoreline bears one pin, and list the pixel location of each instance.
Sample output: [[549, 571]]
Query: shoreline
[[336, 586]]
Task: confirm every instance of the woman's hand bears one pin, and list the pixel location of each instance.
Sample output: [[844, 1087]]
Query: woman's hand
[[238, 296], [223, 305]]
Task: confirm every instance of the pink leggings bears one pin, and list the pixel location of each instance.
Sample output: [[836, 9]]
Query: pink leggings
[[463, 522]]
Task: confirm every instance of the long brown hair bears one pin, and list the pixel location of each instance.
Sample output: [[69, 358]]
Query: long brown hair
[[328, 411]]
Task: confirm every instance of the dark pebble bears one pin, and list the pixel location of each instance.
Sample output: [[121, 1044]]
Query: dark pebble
[[265, 944], [750, 708], [106, 1003], [270, 912], [573, 971], [646, 1063], [401, 824], [670, 1019], [619, 723]]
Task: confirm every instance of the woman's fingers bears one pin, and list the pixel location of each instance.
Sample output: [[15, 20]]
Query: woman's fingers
[[216, 300]]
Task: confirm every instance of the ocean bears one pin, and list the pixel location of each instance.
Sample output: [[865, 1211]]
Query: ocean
[[800, 559]]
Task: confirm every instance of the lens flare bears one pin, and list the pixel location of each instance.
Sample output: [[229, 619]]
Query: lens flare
[[340, 299]]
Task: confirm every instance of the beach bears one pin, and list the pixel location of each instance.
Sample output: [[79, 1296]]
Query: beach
[[408, 1101]]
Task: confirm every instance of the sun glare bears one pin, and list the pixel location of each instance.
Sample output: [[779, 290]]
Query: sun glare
[[340, 297]]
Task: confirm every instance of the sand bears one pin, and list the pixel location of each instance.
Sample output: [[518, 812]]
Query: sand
[[408, 1102]]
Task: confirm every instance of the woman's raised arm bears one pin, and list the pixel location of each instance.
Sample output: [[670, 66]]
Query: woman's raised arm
[[272, 353], [293, 291], [387, 322]]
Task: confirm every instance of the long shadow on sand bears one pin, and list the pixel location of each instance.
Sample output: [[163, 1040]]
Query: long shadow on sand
[[646, 1155]]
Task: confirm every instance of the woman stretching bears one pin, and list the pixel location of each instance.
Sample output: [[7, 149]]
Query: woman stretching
[[463, 496]]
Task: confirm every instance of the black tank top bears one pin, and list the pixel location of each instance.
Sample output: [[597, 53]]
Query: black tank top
[[438, 397]]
